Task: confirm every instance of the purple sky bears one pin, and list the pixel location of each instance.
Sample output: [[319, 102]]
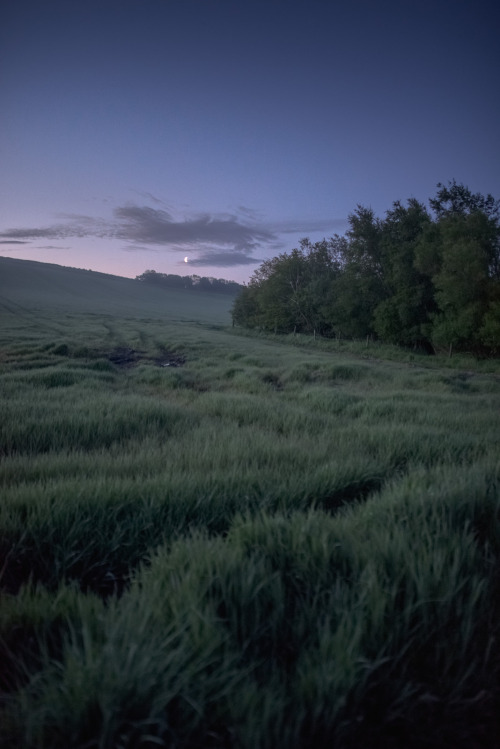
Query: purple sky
[[137, 133]]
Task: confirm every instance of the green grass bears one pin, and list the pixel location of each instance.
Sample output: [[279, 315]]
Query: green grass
[[212, 539]]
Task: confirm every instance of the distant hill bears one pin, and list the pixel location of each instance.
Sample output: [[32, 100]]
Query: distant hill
[[194, 283], [28, 286]]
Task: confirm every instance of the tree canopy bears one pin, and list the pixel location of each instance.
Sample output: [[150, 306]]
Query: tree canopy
[[195, 283], [422, 277]]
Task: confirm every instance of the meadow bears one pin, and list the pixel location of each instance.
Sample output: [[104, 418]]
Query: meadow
[[210, 538]]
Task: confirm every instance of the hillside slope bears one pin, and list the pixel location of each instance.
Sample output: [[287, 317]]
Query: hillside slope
[[28, 287]]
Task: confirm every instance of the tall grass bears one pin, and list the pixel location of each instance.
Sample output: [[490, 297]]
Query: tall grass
[[239, 541], [375, 625]]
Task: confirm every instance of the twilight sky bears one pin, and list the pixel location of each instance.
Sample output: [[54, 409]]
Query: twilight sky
[[135, 134]]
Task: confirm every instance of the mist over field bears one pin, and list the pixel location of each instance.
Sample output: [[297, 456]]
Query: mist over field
[[215, 536], [42, 286]]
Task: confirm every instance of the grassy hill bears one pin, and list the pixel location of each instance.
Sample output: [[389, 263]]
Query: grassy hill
[[212, 539], [29, 288]]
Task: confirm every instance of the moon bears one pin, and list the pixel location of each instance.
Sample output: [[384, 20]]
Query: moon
[[186, 259]]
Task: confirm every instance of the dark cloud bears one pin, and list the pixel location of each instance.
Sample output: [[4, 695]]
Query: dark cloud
[[85, 226], [24, 235], [74, 226], [153, 226], [224, 259], [208, 239]]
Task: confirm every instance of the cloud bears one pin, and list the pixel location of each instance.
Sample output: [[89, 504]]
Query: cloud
[[24, 235], [75, 226], [153, 226], [150, 197], [326, 226], [250, 213], [51, 247], [219, 239], [224, 259]]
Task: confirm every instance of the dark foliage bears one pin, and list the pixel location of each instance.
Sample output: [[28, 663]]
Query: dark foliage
[[424, 279], [194, 283]]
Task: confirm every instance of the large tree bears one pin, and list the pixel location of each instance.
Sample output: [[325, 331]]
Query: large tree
[[360, 287], [461, 255], [457, 200], [286, 293], [403, 316]]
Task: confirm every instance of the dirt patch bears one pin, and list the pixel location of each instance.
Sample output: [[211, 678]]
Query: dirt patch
[[125, 357], [171, 360], [129, 357]]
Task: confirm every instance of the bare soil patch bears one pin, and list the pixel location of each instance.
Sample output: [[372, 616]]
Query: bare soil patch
[[129, 357]]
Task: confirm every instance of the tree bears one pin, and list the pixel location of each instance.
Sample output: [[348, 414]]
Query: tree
[[412, 278], [286, 293], [245, 310], [489, 333], [462, 283], [360, 286], [461, 255], [323, 266], [403, 316], [458, 200]]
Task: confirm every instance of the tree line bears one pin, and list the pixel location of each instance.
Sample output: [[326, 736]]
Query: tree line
[[423, 277], [196, 283]]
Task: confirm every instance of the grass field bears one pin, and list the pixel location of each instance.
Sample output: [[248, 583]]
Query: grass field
[[215, 539]]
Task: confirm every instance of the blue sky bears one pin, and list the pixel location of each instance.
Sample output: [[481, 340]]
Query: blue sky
[[136, 134]]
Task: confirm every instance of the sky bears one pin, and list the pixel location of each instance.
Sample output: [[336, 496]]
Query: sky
[[206, 136]]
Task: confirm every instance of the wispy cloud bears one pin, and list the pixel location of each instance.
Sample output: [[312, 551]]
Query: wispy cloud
[[298, 226], [23, 236], [149, 196], [52, 247], [216, 239], [153, 226], [223, 259]]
